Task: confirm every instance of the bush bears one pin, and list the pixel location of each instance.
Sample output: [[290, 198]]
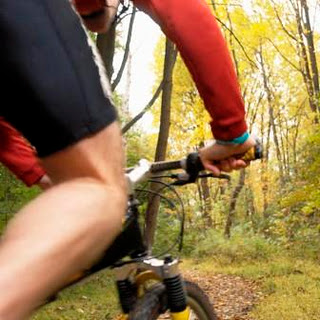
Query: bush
[[239, 247]]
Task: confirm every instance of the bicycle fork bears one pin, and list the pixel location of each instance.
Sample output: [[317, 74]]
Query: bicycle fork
[[131, 286]]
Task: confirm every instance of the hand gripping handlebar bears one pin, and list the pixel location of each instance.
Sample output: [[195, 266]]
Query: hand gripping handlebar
[[193, 165]]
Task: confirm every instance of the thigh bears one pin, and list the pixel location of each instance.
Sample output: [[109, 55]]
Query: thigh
[[54, 89], [99, 156]]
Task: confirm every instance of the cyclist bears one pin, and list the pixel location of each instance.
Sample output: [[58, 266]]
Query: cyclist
[[208, 60], [20, 158], [61, 106]]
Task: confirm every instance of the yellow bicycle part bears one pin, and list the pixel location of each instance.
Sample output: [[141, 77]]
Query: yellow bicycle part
[[183, 315], [144, 276], [148, 275], [249, 155]]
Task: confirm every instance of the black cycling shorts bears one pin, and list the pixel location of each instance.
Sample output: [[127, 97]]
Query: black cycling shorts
[[51, 87]]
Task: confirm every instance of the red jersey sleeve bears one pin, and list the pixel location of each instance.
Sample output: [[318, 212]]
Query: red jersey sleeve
[[193, 28], [18, 156]]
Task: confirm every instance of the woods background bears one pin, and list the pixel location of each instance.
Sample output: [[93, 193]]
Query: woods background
[[275, 203]]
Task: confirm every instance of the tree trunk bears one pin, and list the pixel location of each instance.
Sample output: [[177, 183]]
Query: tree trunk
[[106, 47], [305, 62], [271, 117], [308, 65], [308, 33], [264, 161], [233, 203], [154, 201], [206, 200]]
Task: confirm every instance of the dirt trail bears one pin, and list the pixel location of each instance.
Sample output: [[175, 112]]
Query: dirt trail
[[232, 296]]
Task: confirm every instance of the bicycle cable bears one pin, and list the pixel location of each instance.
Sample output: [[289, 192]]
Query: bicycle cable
[[180, 213], [179, 240]]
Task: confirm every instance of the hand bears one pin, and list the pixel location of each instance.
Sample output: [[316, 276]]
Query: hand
[[97, 16], [45, 182], [217, 157]]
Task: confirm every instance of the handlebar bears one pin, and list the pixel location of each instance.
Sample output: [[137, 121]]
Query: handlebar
[[166, 165], [192, 163]]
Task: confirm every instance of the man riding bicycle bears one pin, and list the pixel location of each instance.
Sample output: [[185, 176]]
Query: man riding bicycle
[[61, 105]]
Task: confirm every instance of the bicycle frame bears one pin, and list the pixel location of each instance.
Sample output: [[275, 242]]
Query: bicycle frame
[[132, 276]]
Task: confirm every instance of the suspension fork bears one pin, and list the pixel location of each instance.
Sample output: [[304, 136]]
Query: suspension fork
[[129, 284], [176, 293]]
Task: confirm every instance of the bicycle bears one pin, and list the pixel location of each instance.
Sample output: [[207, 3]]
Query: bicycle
[[147, 285]]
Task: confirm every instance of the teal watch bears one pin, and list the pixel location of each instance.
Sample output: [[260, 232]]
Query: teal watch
[[242, 139]]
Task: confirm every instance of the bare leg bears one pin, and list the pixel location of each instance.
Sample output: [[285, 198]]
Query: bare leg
[[67, 227]]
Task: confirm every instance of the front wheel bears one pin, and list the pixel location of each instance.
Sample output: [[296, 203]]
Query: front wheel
[[153, 305]]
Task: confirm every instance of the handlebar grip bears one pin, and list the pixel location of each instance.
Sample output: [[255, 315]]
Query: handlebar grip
[[165, 165], [253, 153], [194, 164]]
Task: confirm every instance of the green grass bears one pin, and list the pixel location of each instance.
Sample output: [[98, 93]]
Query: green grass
[[290, 287], [290, 297], [288, 280], [94, 299], [291, 290]]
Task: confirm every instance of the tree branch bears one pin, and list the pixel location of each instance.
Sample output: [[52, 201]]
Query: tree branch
[[126, 52], [145, 109], [282, 25], [239, 42], [284, 57]]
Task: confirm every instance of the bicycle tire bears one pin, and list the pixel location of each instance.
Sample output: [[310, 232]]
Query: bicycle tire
[[154, 303]]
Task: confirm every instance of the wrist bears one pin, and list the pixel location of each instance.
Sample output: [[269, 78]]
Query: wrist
[[239, 140]]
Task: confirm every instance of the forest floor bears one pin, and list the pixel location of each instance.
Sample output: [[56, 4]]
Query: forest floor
[[281, 288], [232, 297]]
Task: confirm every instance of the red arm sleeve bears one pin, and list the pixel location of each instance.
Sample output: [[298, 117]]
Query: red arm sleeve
[[193, 28], [18, 156]]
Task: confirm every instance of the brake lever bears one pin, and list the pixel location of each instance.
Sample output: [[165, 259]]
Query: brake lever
[[182, 179], [211, 175]]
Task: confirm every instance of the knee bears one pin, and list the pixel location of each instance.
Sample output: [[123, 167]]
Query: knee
[[118, 194]]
